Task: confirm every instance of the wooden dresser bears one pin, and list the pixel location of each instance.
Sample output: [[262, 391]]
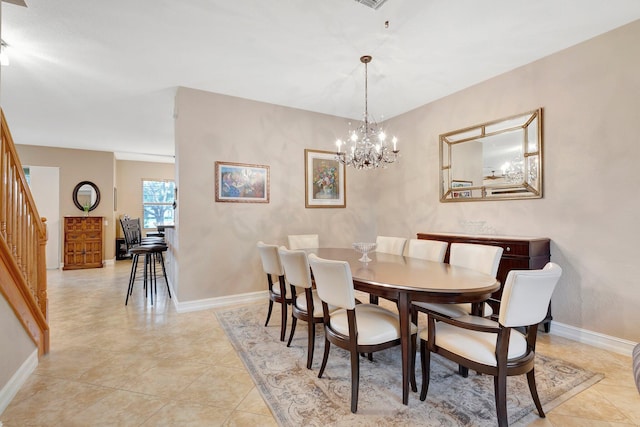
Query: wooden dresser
[[519, 253], [82, 242]]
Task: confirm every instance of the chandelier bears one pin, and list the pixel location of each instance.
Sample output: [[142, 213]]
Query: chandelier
[[367, 146]]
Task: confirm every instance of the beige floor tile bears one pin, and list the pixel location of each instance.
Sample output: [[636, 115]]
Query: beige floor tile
[[118, 408], [219, 386], [591, 404], [246, 419], [186, 414], [51, 401], [166, 378], [254, 404]]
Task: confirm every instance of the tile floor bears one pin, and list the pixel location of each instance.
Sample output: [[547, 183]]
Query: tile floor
[[149, 366]]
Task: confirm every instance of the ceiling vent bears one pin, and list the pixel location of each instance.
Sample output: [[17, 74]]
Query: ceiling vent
[[373, 4]]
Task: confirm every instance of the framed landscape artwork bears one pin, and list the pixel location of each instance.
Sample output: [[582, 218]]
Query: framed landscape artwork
[[242, 183], [325, 180]]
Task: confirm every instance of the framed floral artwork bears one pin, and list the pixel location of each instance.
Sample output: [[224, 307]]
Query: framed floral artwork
[[242, 183], [325, 180]]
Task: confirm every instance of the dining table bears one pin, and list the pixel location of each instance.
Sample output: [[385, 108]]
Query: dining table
[[404, 280]]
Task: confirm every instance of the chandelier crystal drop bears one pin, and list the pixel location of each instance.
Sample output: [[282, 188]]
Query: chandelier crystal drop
[[367, 146]]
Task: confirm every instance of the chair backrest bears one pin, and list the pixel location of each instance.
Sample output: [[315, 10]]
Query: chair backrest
[[296, 267], [431, 250], [270, 259], [482, 258], [131, 231], [303, 241], [390, 245], [334, 282], [526, 295]]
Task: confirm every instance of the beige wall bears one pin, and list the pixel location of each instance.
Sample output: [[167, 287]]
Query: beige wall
[[589, 94], [217, 241], [129, 176], [15, 343], [76, 166]]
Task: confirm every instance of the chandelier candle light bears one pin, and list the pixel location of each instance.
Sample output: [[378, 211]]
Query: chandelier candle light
[[367, 146]]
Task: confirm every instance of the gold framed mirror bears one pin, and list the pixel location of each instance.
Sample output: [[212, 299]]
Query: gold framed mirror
[[497, 160]]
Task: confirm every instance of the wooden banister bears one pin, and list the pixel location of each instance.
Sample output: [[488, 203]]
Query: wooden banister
[[23, 237]]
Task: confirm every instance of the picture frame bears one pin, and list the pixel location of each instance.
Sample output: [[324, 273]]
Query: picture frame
[[458, 183], [242, 183], [324, 179]]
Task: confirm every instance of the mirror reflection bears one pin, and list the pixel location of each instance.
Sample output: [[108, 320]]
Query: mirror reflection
[[496, 160], [86, 196]]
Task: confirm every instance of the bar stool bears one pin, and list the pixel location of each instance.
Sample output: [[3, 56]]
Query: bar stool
[[151, 249]]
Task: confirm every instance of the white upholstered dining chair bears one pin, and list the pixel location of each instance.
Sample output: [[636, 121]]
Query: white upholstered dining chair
[[431, 250], [303, 241], [305, 306], [357, 328], [390, 245], [495, 348], [482, 258], [278, 292]]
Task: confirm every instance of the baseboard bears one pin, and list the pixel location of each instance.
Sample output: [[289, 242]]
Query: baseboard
[[204, 304], [595, 339], [18, 379]]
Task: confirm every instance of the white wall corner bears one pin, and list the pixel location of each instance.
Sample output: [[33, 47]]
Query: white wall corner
[[595, 339], [18, 379]]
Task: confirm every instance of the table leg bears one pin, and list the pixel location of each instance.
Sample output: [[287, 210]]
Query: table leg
[[405, 342]]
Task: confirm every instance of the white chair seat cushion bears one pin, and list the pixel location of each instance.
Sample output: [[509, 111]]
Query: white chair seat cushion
[[453, 310], [473, 345], [301, 302], [375, 324], [276, 290]]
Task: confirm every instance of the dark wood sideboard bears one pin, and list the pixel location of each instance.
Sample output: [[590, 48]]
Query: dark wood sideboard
[[519, 253], [82, 242]]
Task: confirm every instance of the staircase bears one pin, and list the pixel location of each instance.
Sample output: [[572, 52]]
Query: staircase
[[23, 236]]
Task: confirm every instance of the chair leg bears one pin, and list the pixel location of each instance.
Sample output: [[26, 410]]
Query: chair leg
[[283, 326], [463, 370], [132, 277], [500, 386], [269, 312], [355, 380], [412, 366], [325, 356], [531, 379], [425, 359], [164, 272], [294, 321], [147, 273], [311, 341], [152, 264]]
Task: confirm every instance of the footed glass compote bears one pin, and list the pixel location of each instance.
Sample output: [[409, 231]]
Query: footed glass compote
[[364, 249]]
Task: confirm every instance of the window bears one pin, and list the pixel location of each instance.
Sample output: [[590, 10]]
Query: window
[[158, 197]]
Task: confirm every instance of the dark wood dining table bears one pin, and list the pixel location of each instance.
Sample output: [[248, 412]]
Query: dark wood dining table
[[404, 279]]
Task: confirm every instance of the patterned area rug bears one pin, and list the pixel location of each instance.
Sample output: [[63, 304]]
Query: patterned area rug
[[297, 397]]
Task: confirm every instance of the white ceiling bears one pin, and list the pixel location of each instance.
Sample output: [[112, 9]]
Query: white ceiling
[[101, 75]]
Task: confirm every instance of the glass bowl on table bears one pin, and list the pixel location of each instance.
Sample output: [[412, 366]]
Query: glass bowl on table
[[364, 248]]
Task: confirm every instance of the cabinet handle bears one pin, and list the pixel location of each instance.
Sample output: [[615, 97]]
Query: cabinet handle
[[508, 249]]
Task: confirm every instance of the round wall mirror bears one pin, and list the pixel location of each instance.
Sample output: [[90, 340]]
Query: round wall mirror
[[86, 196]]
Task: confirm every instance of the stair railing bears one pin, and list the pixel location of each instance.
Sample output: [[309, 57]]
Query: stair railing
[[23, 237]]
